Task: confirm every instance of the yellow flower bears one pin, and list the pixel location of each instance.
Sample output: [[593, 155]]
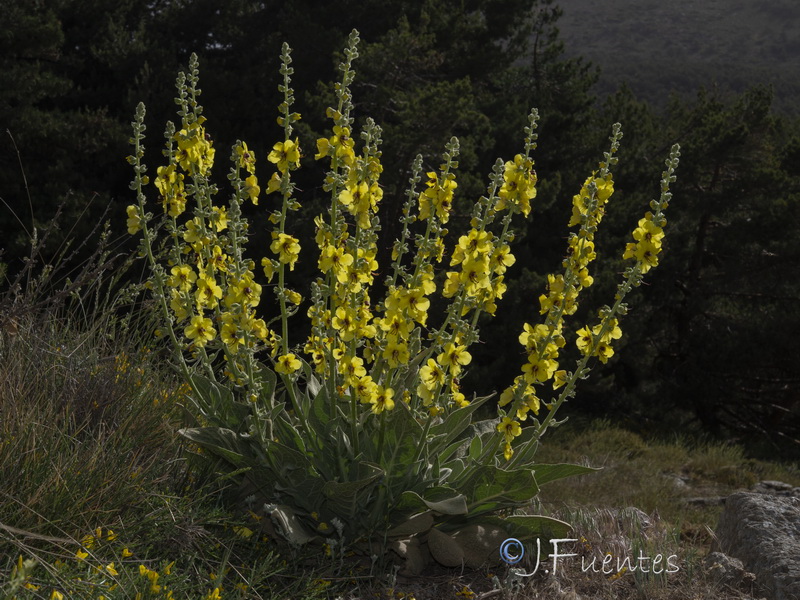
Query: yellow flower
[[559, 379], [502, 259], [286, 247], [273, 185], [454, 357], [509, 428], [243, 291], [178, 306], [134, 219], [219, 218], [645, 252], [269, 268], [182, 278], [56, 595], [353, 192], [345, 322], [111, 570], [243, 532], [231, 333], [474, 242], [208, 292], [584, 341], [396, 352], [126, 553], [366, 390], [432, 374], [81, 555], [538, 369], [252, 189], [383, 400], [337, 259], [287, 364], [285, 155], [201, 330], [247, 158], [215, 595], [352, 368]]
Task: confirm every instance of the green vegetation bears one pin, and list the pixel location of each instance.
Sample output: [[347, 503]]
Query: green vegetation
[[100, 492]]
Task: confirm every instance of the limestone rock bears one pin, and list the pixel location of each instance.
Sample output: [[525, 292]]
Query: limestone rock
[[763, 530]]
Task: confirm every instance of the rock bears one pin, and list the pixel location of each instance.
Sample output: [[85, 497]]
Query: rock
[[778, 488], [709, 501], [680, 482], [764, 532], [727, 570]]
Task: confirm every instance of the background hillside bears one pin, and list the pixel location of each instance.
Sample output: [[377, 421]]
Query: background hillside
[[658, 47]]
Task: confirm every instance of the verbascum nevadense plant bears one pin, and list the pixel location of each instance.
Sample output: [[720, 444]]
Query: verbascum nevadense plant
[[360, 435]]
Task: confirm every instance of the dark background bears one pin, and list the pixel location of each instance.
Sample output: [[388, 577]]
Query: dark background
[[711, 344]]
